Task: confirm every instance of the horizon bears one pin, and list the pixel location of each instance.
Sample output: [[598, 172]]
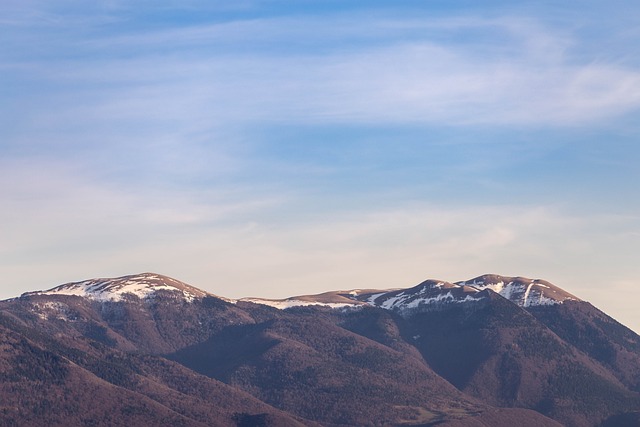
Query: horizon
[[259, 297], [275, 148]]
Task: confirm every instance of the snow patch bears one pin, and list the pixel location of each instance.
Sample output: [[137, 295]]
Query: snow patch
[[288, 303], [393, 301], [51, 310], [144, 287], [372, 298], [524, 292]]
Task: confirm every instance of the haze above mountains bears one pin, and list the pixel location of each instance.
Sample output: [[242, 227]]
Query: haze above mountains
[[489, 351]]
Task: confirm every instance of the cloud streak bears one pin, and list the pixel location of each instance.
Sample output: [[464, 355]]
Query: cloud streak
[[239, 248], [221, 74]]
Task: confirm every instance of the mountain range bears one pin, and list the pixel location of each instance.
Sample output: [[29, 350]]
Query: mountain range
[[147, 349]]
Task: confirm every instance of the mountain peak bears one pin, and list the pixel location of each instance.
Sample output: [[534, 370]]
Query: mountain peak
[[143, 285], [430, 294], [435, 294], [521, 290]]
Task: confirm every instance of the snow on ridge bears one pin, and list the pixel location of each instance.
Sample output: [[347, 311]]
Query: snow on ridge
[[521, 291], [143, 286], [434, 293], [288, 303], [445, 297], [393, 301], [399, 302], [372, 298], [425, 296], [514, 292]]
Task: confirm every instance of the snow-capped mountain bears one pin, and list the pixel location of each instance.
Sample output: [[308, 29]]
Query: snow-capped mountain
[[428, 295], [434, 294], [143, 286], [333, 299], [493, 350], [299, 302], [520, 290]]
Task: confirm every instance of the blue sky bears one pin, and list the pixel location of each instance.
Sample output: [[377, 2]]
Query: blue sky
[[273, 148]]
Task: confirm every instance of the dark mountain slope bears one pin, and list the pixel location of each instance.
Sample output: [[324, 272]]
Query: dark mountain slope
[[598, 335], [438, 353], [303, 363], [74, 381], [631, 419], [500, 353], [156, 325], [503, 418], [42, 388]]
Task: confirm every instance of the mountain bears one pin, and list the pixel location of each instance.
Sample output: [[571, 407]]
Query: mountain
[[490, 351], [142, 286], [434, 294], [62, 364]]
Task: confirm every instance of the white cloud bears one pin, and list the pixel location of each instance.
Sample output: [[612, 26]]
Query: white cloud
[[58, 211], [204, 77]]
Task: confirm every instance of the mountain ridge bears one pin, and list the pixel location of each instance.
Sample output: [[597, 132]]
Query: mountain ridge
[[522, 291], [486, 351], [142, 285]]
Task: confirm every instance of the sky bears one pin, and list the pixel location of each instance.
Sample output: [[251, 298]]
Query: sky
[[278, 148]]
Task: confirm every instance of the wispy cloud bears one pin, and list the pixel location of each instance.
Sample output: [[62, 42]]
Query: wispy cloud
[[251, 245], [49, 206], [522, 73]]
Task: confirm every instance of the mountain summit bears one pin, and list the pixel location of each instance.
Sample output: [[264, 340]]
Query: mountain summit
[[428, 294], [434, 294], [144, 285], [520, 290]]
